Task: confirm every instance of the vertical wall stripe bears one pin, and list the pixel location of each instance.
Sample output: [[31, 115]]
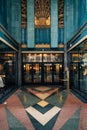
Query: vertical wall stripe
[[82, 14], [75, 16], [16, 20], [3, 13], [30, 23], [54, 23], [68, 20], [23, 35], [9, 13]]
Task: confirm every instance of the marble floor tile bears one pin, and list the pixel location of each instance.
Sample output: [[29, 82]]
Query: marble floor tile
[[43, 118], [42, 88], [42, 103]]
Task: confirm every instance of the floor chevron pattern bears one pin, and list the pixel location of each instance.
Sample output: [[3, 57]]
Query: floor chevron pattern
[[43, 108]]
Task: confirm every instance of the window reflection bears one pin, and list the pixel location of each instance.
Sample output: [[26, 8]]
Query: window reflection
[[78, 70], [39, 57], [7, 68]]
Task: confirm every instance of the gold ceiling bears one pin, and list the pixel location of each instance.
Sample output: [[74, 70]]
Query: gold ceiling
[[42, 13], [61, 13], [24, 13]]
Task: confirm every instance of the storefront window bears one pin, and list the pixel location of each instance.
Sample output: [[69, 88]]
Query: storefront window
[[7, 68], [78, 71], [83, 72]]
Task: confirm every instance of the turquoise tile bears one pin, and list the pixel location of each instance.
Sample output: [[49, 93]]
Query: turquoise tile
[[27, 98], [73, 122], [13, 122]]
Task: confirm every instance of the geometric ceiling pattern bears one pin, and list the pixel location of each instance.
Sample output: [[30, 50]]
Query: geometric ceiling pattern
[[61, 13], [42, 8], [23, 13], [42, 13]]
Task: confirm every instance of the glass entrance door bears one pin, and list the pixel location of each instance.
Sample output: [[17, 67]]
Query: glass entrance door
[[37, 73], [48, 73], [31, 73], [58, 72], [44, 73]]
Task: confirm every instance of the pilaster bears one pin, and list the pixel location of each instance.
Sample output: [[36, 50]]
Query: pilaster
[[54, 23], [30, 24]]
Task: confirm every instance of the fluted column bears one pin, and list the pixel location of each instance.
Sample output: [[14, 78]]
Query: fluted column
[[54, 23], [30, 24]]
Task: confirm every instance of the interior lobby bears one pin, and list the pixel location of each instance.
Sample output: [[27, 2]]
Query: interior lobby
[[43, 65]]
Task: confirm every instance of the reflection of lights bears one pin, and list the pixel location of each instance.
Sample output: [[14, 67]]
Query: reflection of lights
[[10, 62], [24, 66], [48, 21], [25, 98], [60, 66], [40, 55], [45, 54], [74, 67], [1, 67]]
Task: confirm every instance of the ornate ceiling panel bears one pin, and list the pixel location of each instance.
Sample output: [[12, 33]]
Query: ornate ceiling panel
[[61, 13], [24, 13], [42, 8], [42, 13]]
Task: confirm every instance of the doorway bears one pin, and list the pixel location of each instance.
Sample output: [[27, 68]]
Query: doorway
[[42, 73]]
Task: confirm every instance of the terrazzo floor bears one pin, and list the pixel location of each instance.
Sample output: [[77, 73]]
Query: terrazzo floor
[[43, 108]]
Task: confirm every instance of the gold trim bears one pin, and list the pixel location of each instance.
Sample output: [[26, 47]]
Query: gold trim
[[54, 52]]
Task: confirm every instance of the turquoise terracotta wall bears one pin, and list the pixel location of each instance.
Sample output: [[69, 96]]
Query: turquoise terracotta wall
[[54, 23], [30, 24], [75, 15], [42, 35], [68, 20], [82, 12], [16, 20], [3, 14], [10, 17]]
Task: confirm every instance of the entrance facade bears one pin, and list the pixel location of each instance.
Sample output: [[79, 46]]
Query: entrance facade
[[45, 71]]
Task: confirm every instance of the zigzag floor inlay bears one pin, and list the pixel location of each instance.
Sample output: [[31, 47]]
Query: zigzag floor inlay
[[43, 118], [43, 109], [42, 88], [42, 103], [42, 95]]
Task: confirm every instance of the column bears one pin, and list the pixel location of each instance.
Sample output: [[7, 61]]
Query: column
[[19, 74], [54, 23], [30, 24], [68, 20], [16, 20], [68, 30]]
